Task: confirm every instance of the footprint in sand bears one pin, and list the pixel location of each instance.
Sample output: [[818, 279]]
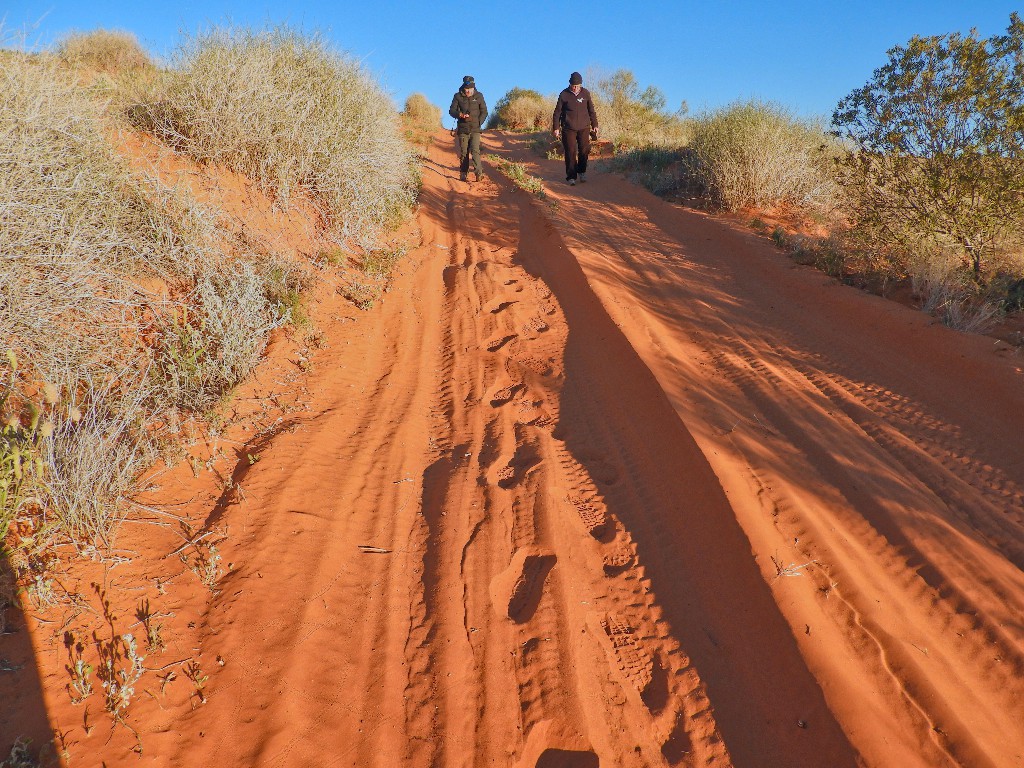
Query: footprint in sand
[[535, 325], [536, 365], [550, 745], [520, 465], [495, 344], [499, 305], [516, 591], [505, 394], [593, 514], [617, 558], [625, 653]]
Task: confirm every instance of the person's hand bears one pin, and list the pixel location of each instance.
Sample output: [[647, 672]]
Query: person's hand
[[464, 115], [557, 133], [594, 131]]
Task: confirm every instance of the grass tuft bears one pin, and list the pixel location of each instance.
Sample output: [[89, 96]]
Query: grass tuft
[[286, 110], [519, 176]]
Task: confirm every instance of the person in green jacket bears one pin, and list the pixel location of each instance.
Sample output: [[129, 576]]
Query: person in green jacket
[[470, 110]]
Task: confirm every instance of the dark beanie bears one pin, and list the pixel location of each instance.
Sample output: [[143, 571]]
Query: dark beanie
[[468, 82], [575, 79]]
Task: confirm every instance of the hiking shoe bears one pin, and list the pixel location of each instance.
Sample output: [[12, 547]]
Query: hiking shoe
[[572, 182], [583, 177], [479, 177], [463, 177]]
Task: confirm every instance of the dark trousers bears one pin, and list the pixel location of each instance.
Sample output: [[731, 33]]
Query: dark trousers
[[469, 143], [577, 149]]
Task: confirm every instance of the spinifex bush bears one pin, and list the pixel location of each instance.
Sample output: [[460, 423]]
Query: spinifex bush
[[104, 50], [82, 243], [421, 119], [283, 108], [758, 154], [522, 109], [78, 228], [662, 170]]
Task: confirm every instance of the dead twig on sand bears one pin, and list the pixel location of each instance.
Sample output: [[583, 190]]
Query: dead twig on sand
[[789, 570]]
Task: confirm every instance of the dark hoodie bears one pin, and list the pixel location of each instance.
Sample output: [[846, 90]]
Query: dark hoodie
[[574, 112], [474, 106]]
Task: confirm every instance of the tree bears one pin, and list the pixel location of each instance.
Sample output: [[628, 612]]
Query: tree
[[937, 144], [636, 117]]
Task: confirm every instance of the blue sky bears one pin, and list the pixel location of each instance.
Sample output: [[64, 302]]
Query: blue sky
[[805, 55]]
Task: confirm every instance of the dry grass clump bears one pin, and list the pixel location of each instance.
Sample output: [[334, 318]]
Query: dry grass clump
[[522, 109], [758, 154], [663, 170], [286, 110], [86, 250], [104, 50], [209, 342], [420, 119], [519, 176]]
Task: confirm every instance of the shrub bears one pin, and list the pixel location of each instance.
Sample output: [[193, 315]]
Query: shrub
[[661, 169], [947, 290], [758, 154], [937, 139], [209, 343], [284, 109], [103, 50], [421, 119], [522, 109]]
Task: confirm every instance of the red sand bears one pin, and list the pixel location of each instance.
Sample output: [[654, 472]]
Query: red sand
[[762, 519]]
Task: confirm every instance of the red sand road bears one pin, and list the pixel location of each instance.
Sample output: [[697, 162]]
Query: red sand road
[[615, 483]]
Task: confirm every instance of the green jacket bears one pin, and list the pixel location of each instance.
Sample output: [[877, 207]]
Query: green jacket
[[474, 106]]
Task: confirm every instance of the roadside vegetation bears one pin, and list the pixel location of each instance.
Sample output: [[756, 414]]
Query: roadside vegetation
[[522, 110], [933, 171], [127, 307], [420, 120], [518, 174], [915, 181], [286, 110]]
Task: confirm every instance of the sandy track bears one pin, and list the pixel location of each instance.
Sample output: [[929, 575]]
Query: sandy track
[[849, 433], [614, 484]]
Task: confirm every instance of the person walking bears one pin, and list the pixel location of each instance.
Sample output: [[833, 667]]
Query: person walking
[[470, 110], [575, 122]]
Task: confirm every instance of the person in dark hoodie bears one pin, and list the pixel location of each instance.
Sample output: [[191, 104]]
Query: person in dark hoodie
[[575, 122], [470, 110]]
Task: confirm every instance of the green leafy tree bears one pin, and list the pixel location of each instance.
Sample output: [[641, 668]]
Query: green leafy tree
[[937, 145]]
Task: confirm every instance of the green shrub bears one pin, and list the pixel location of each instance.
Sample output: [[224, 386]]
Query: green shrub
[[283, 108], [937, 137], [758, 154]]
